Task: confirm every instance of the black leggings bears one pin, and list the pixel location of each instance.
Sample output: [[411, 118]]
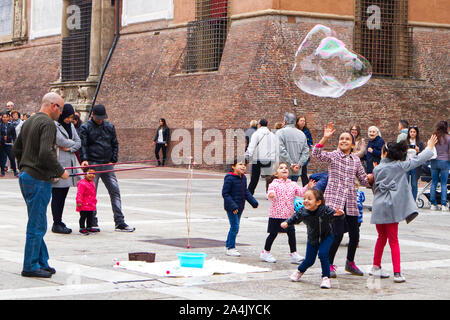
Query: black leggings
[[339, 226], [164, 152], [291, 240], [58, 200], [86, 217]]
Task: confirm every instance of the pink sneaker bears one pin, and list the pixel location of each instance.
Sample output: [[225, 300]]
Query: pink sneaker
[[296, 276], [333, 269]]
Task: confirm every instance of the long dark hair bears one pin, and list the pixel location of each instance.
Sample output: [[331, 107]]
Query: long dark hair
[[417, 135], [164, 125], [306, 124], [441, 131]]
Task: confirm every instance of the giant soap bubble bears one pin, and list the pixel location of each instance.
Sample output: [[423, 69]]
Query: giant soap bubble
[[324, 67]]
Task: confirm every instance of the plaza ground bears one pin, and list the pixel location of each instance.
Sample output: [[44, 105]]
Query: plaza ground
[[154, 202]]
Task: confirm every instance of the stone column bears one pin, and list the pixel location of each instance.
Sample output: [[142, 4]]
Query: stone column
[[96, 40]]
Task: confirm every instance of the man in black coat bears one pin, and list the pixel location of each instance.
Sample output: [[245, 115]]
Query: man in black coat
[[99, 145]]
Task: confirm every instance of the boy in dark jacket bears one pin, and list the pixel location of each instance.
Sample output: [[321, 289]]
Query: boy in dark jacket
[[318, 219], [235, 193]]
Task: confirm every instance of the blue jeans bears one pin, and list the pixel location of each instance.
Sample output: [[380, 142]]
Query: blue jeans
[[412, 181], [37, 195], [439, 172], [322, 250], [235, 220]]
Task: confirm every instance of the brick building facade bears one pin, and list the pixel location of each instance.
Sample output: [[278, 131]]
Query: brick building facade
[[146, 79]]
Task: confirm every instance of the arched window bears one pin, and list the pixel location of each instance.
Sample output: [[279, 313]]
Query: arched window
[[382, 35]]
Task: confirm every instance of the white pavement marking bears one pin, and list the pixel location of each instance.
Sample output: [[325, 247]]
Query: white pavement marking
[[78, 270]]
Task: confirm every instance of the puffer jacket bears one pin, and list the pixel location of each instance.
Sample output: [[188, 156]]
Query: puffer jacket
[[86, 196], [318, 223], [98, 142], [235, 193]]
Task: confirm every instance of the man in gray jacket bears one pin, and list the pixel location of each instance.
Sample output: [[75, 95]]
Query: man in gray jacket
[[294, 149]]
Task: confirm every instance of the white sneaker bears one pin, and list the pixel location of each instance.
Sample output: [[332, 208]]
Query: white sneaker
[[267, 257], [296, 275], [378, 272], [233, 252], [326, 283], [296, 258], [399, 278], [444, 209], [434, 207]]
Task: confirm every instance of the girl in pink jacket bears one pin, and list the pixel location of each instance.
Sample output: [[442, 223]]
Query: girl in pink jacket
[[86, 201], [281, 193]]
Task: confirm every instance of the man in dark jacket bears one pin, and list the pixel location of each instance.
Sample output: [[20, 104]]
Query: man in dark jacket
[[99, 145]]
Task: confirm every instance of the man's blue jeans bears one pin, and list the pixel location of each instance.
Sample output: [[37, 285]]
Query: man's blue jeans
[[235, 220], [322, 251], [439, 172], [37, 195]]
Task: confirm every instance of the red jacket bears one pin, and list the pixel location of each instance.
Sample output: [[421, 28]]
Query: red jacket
[[86, 196]]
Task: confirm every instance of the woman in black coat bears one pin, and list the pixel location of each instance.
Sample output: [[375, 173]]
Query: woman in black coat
[[161, 140]]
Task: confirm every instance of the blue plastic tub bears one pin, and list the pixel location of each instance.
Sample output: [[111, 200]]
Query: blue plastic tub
[[191, 259]]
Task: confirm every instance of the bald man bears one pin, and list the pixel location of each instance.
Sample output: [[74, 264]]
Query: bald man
[[9, 107], [37, 160]]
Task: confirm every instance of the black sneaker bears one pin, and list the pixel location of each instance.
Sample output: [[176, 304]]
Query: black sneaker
[[123, 227], [50, 269], [84, 231], [61, 228], [39, 273]]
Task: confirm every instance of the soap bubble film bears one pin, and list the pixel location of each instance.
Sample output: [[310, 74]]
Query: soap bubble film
[[324, 67]]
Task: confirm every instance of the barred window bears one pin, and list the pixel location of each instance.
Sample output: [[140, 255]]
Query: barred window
[[206, 35], [76, 46], [382, 35]]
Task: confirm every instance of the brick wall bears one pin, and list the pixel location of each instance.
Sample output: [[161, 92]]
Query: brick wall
[[145, 82]]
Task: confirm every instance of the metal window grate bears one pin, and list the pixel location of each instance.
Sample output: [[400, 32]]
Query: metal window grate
[[76, 46], [206, 36], [382, 35]]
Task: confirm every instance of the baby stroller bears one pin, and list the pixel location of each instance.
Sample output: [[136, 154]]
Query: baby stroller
[[425, 195]]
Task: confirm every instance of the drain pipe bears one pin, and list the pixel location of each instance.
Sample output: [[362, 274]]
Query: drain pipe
[[111, 51]]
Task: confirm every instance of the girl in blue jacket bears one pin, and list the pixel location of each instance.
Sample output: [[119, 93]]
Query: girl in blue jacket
[[235, 193]]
